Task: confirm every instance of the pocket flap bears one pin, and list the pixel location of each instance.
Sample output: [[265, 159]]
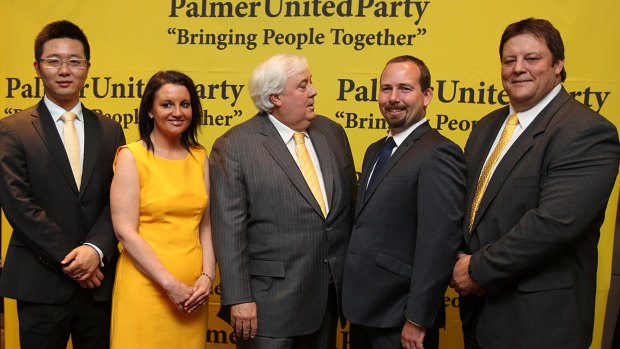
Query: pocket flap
[[267, 268], [394, 265]]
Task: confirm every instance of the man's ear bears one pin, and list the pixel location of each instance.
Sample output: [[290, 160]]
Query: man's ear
[[37, 66], [275, 99]]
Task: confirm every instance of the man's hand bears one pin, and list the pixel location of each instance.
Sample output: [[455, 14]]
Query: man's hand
[[243, 320], [94, 281], [462, 281], [81, 263], [412, 336]]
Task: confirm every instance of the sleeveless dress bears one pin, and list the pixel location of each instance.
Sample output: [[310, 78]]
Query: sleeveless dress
[[172, 201]]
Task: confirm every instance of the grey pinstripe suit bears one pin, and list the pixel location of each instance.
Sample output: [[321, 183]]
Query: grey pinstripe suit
[[272, 243]]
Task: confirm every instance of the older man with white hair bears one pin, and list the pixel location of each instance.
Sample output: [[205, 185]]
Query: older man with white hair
[[282, 186]]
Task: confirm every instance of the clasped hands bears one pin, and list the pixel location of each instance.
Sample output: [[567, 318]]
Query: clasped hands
[[187, 298], [82, 265], [462, 281]]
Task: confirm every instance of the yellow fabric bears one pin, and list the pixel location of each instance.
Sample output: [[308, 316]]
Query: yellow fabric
[[172, 201], [72, 145], [485, 175], [307, 169]]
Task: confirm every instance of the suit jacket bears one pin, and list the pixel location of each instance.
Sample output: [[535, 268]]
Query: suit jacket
[[406, 232], [535, 235], [273, 245], [41, 201]]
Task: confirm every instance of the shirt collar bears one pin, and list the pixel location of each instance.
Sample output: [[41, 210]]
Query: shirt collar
[[526, 117], [401, 136], [285, 132], [57, 111]]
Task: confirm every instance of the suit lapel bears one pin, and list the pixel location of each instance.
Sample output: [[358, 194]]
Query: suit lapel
[[92, 142], [282, 156], [369, 160], [517, 151], [46, 128], [479, 154], [326, 161]]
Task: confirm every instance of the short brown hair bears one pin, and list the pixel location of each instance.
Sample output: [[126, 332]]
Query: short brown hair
[[425, 74], [543, 30]]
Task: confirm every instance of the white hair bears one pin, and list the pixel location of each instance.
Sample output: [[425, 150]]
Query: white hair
[[270, 78]]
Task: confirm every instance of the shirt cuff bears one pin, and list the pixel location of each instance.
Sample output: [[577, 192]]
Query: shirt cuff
[[99, 252], [415, 324]]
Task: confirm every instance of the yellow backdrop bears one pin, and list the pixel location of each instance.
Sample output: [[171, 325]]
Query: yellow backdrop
[[347, 42]]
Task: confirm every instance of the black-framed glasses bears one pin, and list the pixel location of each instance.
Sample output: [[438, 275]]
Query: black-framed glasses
[[55, 63]]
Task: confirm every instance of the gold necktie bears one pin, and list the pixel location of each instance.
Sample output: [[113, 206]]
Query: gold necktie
[[72, 146], [307, 169], [485, 175]]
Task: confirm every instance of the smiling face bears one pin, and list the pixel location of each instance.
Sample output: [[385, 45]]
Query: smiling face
[[401, 99], [528, 71], [62, 84], [295, 106], [172, 111]]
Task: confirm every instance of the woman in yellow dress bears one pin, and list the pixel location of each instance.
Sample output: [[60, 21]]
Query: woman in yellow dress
[[160, 213]]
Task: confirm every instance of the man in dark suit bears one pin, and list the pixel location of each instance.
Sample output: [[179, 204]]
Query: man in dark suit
[[55, 177], [282, 191], [407, 222], [535, 207]]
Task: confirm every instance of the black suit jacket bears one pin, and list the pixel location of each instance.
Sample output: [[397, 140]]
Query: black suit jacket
[[406, 233], [535, 235], [273, 245], [41, 201]]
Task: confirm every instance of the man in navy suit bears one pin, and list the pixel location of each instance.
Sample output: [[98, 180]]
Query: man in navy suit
[[407, 221], [62, 254]]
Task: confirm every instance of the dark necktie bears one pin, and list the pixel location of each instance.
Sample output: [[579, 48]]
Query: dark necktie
[[386, 152]]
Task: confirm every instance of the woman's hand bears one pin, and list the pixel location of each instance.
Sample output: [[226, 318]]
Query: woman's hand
[[200, 293], [179, 293]]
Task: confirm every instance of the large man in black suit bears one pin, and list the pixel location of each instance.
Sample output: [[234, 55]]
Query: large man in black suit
[[282, 191], [407, 221], [62, 253], [529, 278]]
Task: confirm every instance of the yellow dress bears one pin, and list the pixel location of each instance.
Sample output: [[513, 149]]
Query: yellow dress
[[172, 201]]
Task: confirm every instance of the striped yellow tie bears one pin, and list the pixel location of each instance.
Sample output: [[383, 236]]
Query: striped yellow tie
[[485, 175], [72, 145], [307, 169]]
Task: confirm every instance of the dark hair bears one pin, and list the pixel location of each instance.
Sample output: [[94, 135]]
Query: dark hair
[[146, 124], [543, 30], [425, 74], [60, 30]]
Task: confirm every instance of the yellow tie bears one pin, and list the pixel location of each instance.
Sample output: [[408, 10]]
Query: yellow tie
[[485, 175], [72, 146], [307, 169]]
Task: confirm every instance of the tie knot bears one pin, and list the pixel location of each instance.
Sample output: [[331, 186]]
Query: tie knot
[[513, 120], [389, 143], [68, 116], [299, 138]]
